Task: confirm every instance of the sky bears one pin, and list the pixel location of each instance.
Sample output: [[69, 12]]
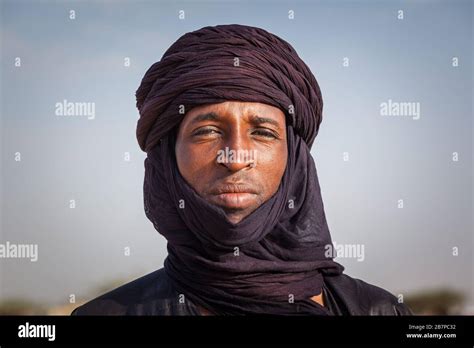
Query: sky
[[362, 53]]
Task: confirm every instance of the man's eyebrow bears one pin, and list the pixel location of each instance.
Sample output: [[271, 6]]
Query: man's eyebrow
[[255, 119], [209, 116]]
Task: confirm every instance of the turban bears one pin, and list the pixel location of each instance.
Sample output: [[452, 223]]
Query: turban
[[221, 63], [275, 259]]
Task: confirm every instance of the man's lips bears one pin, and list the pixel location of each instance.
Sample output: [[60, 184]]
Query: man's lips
[[233, 196], [235, 200]]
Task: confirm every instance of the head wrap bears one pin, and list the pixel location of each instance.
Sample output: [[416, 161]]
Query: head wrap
[[227, 62], [281, 260]]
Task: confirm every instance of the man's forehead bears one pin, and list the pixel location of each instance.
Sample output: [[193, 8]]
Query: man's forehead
[[256, 112]]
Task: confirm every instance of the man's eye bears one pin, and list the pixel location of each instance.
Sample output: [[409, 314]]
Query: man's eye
[[265, 133], [205, 131]]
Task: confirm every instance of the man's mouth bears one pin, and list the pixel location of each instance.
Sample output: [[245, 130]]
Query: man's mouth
[[233, 196]]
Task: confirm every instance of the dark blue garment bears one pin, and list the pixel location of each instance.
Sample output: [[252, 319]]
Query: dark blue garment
[[154, 294]]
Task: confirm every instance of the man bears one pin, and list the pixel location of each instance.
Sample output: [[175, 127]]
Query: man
[[227, 119]]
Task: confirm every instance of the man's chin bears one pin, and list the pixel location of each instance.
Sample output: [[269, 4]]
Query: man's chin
[[237, 214]]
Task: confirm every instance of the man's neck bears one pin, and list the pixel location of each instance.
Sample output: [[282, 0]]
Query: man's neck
[[318, 299]]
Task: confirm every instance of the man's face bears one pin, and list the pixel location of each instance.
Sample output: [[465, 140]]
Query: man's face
[[233, 154]]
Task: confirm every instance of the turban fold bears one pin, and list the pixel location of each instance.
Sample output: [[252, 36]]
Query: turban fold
[[222, 63], [281, 261]]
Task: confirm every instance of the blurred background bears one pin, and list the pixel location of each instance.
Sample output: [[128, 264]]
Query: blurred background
[[397, 187]]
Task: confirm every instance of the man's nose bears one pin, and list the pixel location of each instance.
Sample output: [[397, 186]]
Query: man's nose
[[236, 153]]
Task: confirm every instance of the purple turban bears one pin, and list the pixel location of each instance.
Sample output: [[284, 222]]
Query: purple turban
[[227, 62]]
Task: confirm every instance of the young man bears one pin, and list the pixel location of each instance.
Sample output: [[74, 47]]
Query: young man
[[227, 119]]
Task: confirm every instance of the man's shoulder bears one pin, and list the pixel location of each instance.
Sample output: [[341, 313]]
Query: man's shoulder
[[151, 291], [357, 297], [153, 294]]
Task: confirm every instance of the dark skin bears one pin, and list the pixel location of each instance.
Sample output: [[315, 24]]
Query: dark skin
[[253, 127], [238, 185]]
